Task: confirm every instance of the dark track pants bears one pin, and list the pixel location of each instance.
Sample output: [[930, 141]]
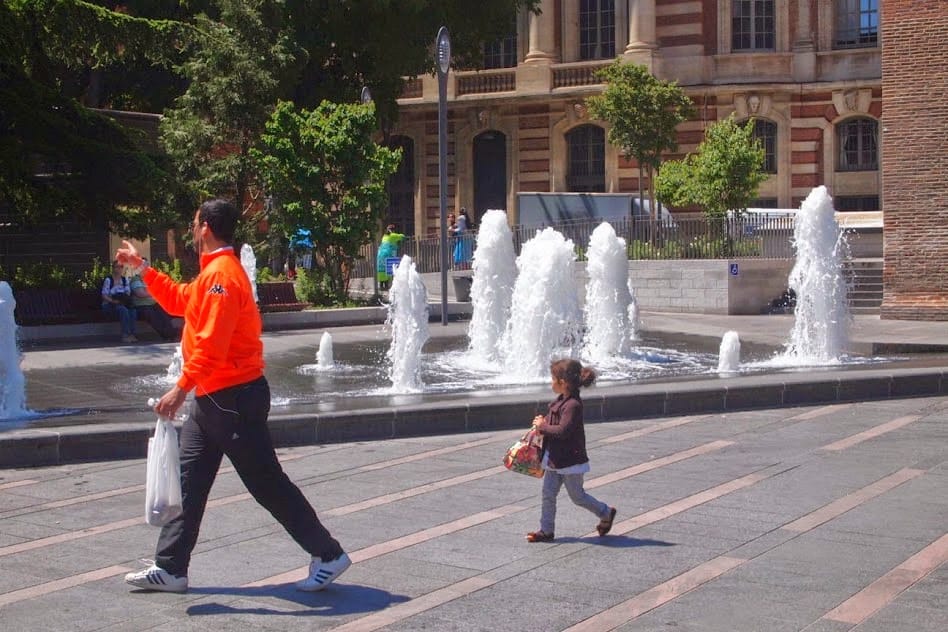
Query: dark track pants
[[233, 421]]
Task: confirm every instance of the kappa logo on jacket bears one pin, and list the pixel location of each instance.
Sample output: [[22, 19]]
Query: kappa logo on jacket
[[217, 288]]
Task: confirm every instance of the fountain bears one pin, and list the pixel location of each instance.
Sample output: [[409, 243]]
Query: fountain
[[249, 262], [408, 319], [173, 372], [609, 309], [545, 318], [729, 357], [12, 392], [821, 326], [495, 271], [526, 312], [324, 359]]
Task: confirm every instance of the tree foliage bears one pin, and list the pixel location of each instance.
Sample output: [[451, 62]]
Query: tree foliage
[[221, 66], [722, 175], [234, 79], [58, 157], [643, 113], [378, 42], [329, 178]]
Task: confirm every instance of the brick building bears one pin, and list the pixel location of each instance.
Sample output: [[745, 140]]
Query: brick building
[[808, 71], [851, 94], [915, 159]]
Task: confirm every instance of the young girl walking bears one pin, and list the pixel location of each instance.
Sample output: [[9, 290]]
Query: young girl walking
[[564, 450]]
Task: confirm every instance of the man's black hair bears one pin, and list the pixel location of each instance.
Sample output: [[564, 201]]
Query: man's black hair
[[221, 217]]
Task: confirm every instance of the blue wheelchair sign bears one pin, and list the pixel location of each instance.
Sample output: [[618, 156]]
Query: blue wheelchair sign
[[733, 268]]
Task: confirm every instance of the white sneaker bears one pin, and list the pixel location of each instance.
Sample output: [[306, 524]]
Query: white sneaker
[[321, 573], [156, 578]]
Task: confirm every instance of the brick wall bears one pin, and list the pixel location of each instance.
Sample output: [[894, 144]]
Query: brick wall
[[915, 158]]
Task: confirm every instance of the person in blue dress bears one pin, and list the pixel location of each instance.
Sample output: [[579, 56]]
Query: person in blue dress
[[463, 241]]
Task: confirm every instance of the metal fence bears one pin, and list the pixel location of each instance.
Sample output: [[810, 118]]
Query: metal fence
[[752, 236]]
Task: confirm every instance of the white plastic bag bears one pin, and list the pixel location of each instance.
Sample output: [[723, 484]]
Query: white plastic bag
[[163, 477]]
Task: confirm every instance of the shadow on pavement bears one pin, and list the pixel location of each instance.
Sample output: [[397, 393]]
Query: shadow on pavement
[[337, 600], [615, 541]]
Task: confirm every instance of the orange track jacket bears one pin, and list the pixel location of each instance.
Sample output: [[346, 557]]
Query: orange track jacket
[[221, 337]]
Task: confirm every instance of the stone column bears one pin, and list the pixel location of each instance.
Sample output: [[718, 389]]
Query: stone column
[[642, 41], [804, 51], [641, 25], [804, 37], [542, 34]]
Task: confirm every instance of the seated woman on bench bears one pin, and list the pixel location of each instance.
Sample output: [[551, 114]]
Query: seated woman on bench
[[117, 301]]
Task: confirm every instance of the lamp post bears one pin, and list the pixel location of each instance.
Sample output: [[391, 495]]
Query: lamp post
[[443, 64]]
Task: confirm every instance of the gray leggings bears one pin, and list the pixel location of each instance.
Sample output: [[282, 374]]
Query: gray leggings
[[552, 481]]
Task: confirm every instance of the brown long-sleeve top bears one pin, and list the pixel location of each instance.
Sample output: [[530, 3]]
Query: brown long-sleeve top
[[564, 438]]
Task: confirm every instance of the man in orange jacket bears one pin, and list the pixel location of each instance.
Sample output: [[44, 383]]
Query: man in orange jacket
[[223, 365]]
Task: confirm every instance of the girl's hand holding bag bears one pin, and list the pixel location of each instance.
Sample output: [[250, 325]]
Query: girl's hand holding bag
[[163, 476], [524, 457]]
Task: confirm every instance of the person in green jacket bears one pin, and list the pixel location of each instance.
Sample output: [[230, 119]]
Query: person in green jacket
[[388, 248]]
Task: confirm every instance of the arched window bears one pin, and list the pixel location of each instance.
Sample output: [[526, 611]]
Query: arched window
[[857, 23], [753, 25], [766, 133], [586, 151], [597, 29], [857, 143]]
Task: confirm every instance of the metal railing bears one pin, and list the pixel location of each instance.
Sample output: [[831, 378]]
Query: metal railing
[[749, 237]]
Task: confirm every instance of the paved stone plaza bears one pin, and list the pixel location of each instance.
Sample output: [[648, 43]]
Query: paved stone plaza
[[819, 517]]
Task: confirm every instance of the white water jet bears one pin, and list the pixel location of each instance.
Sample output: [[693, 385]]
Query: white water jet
[[609, 302], [729, 356], [173, 372], [821, 326], [545, 318], [12, 382], [495, 271], [324, 359], [249, 262], [408, 318]]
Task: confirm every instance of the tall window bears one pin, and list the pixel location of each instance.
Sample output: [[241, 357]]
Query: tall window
[[502, 53], [766, 133], [857, 23], [401, 188], [752, 25], [586, 148], [856, 202], [597, 29], [858, 144]]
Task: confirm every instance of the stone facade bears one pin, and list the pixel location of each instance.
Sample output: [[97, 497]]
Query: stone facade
[[803, 81], [915, 159]]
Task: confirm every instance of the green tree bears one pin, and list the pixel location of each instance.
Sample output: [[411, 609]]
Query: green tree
[[722, 175], [377, 43], [643, 113], [59, 158], [242, 62], [329, 177]]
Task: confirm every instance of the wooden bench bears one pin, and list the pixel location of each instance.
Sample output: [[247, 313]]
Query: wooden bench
[[278, 297], [36, 306], [44, 307]]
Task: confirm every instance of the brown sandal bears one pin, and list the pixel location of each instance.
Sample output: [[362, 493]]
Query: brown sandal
[[539, 536], [605, 525]]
